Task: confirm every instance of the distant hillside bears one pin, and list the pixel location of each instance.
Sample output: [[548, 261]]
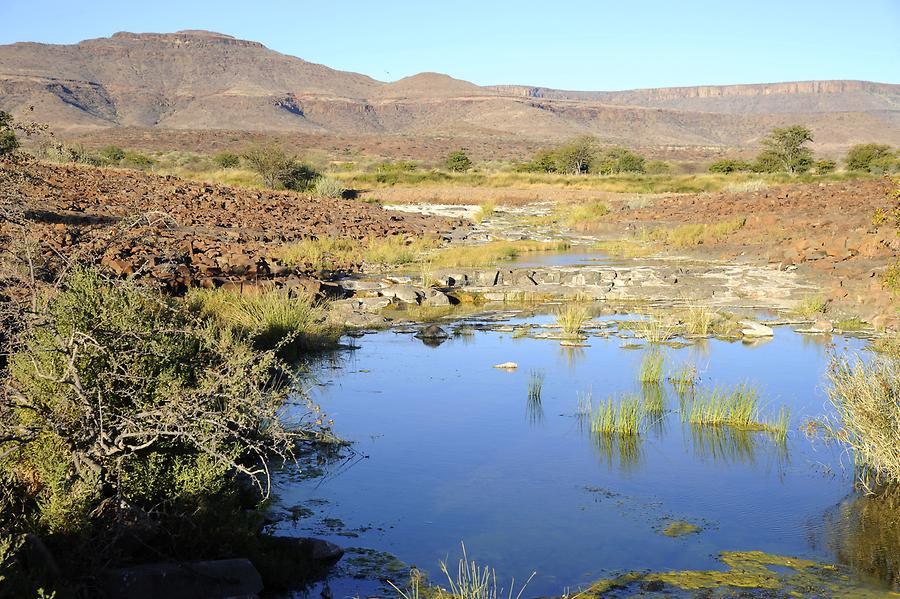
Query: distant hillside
[[199, 80]]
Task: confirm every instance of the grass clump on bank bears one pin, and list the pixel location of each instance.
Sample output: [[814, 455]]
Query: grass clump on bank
[[327, 253], [493, 252], [810, 307], [580, 216], [866, 396], [690, 235], [485, 211], [271, 319]]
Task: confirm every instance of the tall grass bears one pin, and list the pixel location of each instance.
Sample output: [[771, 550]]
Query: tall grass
[[866, 396], [535, 385], [699, 319], [684, 378], [485, 210], [654, 329], [651, 370]]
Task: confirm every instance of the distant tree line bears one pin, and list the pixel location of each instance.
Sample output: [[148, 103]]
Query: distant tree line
[[586, 155], [785, 150]]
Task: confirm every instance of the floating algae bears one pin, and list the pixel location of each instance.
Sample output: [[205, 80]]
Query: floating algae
[[770, 575]]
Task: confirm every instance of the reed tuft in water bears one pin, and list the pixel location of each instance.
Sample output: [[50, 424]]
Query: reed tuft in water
[[571, 318], [651, 370], [621, 419]]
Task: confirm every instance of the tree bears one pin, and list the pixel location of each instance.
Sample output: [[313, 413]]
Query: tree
[[617, 160], [8, 140], [227, 160], [270, 162], [576, 157], [458, 162], [787, 148], [866, 157]]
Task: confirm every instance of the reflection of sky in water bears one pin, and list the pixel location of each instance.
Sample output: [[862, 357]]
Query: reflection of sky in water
[[456, 452]]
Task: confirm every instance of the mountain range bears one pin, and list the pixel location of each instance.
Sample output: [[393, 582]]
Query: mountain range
[[200, 80]]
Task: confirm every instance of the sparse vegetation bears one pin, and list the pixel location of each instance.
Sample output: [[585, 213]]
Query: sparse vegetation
[[485, 210], [697, 234], [684, 378], [277, 169], [699, 320], [729, 165], [491, 253]]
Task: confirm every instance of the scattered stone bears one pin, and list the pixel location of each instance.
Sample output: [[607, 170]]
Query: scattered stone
[[403, 293]]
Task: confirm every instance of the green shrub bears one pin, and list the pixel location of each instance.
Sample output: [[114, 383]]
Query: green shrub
[[121, 402], [823, 167], [227, 160], [327, 187], [8, 141], [729, 165], [458, 162], [298, 176], [614, 160], [785, 149], [112, 154], [867, 157], [138, 160]]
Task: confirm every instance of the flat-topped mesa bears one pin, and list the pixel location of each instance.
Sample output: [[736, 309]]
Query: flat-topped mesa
[[184, 37]]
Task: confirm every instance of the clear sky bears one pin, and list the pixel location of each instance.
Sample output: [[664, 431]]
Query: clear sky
[[568, 44]]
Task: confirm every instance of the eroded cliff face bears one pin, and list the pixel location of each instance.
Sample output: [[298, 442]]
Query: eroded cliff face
[[202, 80]]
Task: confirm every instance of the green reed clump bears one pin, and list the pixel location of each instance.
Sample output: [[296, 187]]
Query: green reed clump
[[739, 408], [651, 370], [622, 418]]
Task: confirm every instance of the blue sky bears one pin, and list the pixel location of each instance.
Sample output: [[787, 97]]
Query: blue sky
[[574, 44]]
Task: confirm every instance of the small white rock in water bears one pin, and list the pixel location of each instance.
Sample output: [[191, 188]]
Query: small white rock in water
[[756, 329], [507, 366]]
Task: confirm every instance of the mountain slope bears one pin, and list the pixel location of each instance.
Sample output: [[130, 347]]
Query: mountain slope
[[199, 80]]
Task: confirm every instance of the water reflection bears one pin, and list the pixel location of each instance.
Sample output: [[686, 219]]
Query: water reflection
[[864, 534], [623, 451], [733, 446], [654, 399]]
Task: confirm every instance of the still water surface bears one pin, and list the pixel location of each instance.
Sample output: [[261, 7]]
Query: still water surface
[[450, 450]]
